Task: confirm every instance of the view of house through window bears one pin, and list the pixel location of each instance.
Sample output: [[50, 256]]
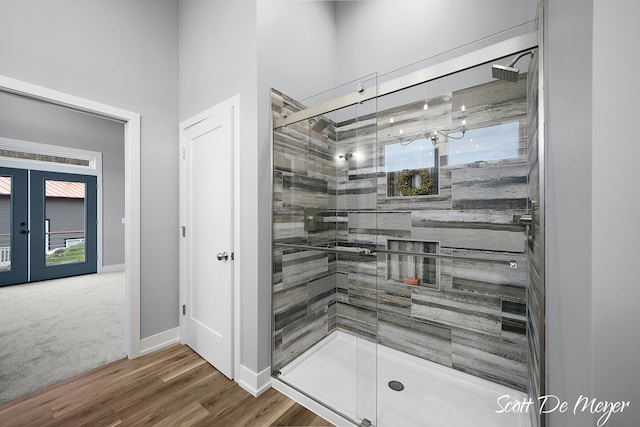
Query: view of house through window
[[5, 223], [65, 222]]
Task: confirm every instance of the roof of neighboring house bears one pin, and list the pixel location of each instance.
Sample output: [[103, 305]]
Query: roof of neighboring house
[[70, 190], [5, 185]]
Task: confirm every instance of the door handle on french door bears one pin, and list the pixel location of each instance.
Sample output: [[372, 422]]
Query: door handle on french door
[[24, 231], [223, 256]]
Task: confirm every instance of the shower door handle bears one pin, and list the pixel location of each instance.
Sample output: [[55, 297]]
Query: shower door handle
[[525, 219], [223, 256]]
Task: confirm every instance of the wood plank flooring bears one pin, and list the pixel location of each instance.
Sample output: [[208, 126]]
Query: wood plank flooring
[[170, 387]]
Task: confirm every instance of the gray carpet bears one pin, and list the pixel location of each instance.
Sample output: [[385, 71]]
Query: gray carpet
[[54, 330]]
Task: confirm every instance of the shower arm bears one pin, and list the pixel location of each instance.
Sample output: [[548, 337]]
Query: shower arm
[[517, 58]]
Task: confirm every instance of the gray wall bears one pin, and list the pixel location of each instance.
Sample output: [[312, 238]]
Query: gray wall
[[568, 82], [250, 47], [218, 59], [592, 268], [297, 52], [125, 54], [382, 36], [614, 264], [34, 121]]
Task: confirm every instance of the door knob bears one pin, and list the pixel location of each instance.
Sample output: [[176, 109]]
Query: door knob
[[223, 256], [24, 231]]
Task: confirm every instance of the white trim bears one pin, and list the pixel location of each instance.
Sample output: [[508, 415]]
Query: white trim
[[234, 102], [132, 190], [237, 272], [310, 404], [158, 341], [256, 384], [112, 268], [93, 157]]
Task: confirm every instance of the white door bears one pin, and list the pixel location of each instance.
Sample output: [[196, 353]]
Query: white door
[[207, 235]]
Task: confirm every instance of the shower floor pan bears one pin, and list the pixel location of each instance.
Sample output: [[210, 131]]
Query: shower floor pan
[[340, 371]]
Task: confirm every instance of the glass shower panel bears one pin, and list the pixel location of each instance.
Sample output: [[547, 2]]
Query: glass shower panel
[[324, 322], [357, 138], [452, 265]]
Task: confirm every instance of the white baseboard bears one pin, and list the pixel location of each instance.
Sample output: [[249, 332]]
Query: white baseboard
[[112, 268], [158, 341], [311, 404], [256, 384]]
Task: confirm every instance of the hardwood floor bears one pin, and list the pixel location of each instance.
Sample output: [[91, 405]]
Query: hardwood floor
[[170, 387]]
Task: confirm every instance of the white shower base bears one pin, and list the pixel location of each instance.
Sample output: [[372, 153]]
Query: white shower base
[[340, 371]]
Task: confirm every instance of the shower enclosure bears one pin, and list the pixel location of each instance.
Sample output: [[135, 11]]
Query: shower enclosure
[[407, 244]]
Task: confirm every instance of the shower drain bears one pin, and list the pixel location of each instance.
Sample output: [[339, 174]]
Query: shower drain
[[396, 385]]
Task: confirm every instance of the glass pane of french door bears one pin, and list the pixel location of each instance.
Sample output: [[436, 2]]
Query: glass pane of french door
[[13, 226], [64, 237], [63, 225]]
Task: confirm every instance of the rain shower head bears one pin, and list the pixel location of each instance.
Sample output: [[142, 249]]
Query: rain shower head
[[318, 125], [502, 72], [508, 72]]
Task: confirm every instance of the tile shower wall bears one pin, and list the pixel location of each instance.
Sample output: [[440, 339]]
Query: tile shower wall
[[304, 281], [467, 315], [472, 317]]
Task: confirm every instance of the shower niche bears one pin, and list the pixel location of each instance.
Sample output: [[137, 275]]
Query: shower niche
[[405, 267], [395, 255]]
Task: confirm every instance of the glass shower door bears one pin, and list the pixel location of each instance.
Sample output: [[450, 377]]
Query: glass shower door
[[324, 280], [452, 262]]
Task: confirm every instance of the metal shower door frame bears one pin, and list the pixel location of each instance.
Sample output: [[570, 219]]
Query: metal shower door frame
[[478, 57]]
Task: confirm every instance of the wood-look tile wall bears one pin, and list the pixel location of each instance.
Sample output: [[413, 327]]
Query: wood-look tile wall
[[473, 315], [304, 282]]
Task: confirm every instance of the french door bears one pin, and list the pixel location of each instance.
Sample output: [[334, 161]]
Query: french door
[[48, 225]]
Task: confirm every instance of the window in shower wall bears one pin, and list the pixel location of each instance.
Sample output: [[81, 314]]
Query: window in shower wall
[[485, 144]]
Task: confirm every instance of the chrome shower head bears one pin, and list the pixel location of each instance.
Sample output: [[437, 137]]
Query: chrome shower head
[[502, 72], [318, 125], [508, 72]]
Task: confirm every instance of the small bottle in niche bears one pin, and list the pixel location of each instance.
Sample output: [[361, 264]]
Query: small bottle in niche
[[414, 281]]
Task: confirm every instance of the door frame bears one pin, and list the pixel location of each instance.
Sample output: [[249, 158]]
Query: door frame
[[131, 123], [233, 102]]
